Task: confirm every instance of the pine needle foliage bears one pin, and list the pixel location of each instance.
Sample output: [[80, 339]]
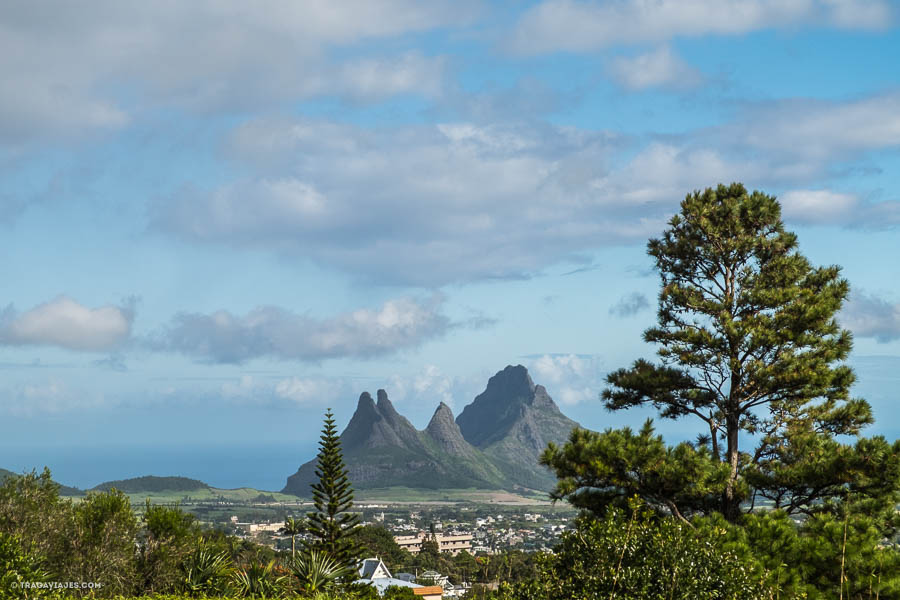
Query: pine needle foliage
[[331, 524], [747, 345]]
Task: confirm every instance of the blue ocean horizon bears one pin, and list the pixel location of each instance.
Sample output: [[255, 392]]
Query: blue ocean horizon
[[264, 466]]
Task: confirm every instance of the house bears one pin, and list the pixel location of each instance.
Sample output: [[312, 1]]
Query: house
[[454, 543], [373, 571]]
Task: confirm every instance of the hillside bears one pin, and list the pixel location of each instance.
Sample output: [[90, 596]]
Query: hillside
[[494, 444], [382, 449], [512, 421], [151, 483], [64, 490]]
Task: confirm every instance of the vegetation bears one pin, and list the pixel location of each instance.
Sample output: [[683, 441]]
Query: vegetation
[[748, 344], [641, 556], [749, 347], [331, 525], [151, 483]]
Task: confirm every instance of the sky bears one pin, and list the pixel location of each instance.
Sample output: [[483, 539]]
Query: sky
[[219, 218]]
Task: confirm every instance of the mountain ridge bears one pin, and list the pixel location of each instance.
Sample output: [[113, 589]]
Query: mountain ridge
[[493, 444]]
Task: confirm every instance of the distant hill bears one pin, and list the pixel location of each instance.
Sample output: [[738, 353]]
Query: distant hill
[[494, 444], [151, 483], [64, 490]]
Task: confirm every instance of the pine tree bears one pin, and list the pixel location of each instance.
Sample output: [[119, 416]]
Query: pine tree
[[747, 343], [331, 525]]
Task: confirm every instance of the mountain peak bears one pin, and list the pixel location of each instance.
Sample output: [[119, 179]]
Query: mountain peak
[[495, 441], [365, 402], [445, 432], [385, 406], [513, 381], [507, 402]]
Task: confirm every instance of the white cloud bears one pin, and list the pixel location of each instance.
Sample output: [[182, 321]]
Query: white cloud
[[458, 202], [417, 394], [825, 207], [819, 130], [817, 206], [311, 390], [65, 323], [867, 315], [223, 337], [432, 205], [660, 68], [585, 26], [569, 378], [304, 391], [88, 67]]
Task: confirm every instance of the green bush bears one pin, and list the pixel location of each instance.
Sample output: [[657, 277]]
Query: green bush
[[642, 556]]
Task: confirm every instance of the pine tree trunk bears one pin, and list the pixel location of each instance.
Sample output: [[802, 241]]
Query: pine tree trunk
[[731, 504]]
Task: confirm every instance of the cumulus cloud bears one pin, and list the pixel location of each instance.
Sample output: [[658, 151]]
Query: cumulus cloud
[[629, 305], [818, 130], [223, 337], [311, 390], [303, 391], [867, 315], [569, 378], [817, 206], [427, 387], [429, 205], [661, 68], [457, 202], [825, 207], [65, 323], [92, 67], [585, 26]]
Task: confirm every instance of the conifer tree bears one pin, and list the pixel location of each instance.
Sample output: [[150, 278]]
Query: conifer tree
[[332, 525], [747, 343]]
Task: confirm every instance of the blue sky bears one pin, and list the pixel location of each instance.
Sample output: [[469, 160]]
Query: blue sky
[[219, 218]]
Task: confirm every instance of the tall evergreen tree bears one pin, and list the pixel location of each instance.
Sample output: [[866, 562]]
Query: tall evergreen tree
[[332, 525], [747, 344]]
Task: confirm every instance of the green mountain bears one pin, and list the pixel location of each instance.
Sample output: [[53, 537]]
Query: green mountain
[[64, 490], [511, 422], [508, 425], [151, 483]]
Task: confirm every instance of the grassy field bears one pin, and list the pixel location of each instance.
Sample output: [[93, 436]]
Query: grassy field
[[410, 495], [242, 495], [391, 494]]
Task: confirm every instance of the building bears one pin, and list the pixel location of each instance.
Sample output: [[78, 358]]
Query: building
[[454, 543], [372, 571], [431, 592]]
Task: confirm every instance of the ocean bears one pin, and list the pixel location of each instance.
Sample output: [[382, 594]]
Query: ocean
[[264, 466]]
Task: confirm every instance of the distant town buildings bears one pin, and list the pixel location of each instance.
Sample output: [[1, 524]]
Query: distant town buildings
[[454, 543], [372, 571]]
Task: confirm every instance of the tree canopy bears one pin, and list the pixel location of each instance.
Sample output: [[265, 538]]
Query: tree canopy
[[331, 524], [747, 345]]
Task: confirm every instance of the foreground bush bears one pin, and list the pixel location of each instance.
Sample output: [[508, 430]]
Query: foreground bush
[[642, 556]]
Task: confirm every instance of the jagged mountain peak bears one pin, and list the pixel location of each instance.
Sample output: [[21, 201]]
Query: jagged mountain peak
[[495, 441], [445, 432], [508, 396], [365, 402], [385, 406], [442, 419], [511, 381]]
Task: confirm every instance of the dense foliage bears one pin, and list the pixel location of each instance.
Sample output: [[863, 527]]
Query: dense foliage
[[642, 556], [749, 347], [748, 344], [331, 524]]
